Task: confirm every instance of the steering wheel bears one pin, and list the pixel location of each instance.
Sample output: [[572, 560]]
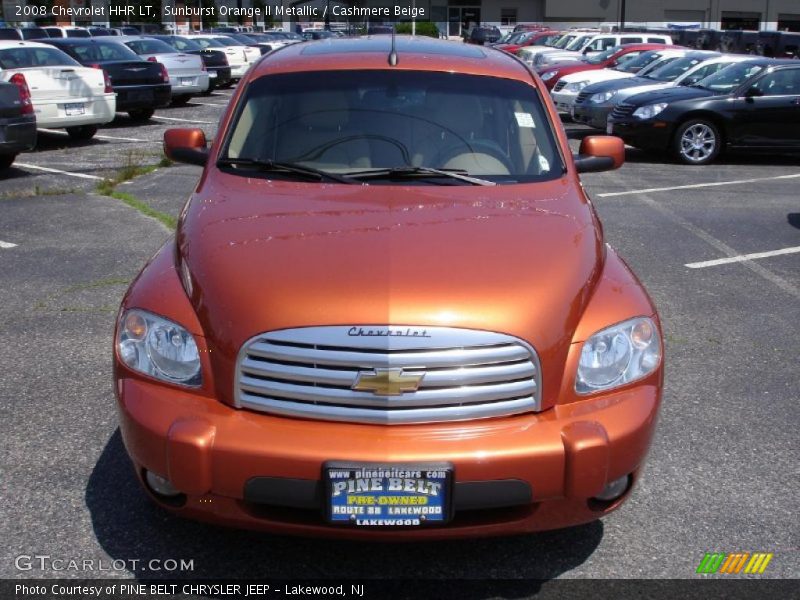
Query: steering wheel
[[473, 147]]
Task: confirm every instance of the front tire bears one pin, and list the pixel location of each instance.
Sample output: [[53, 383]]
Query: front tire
[[6, 161], [83, 132], [697, 142], [180, 100], [141, 114]]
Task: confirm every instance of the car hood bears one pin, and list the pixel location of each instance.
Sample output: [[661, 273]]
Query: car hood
[[266, 254], [617, 84], [673, 94], [596, 76]]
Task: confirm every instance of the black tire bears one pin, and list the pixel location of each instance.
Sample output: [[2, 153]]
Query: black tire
[[141, 114], [6, 160], [180, 100], [82, 132], [697, 142]]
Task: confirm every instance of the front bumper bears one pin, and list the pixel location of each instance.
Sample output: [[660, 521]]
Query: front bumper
[[258, 471], [648, 134], [594, 115], [17, 134], [564, 100]]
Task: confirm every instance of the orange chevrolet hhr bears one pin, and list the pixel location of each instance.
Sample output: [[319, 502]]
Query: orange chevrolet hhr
[[388, 310]]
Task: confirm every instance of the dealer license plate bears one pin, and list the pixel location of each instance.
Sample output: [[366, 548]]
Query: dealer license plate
[[72, 110], [370, 495], [187, 80]]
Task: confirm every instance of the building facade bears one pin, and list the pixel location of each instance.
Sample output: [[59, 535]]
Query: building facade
[[452, 16]]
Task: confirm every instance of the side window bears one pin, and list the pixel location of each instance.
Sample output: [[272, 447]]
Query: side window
[[785, 82], [631, 40], [135, 46], [704, 72], [180, 45], [656, 40]]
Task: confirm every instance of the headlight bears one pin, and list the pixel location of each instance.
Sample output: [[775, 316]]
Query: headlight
[[548, 75], [576, 86], [601, 97], [618, 355], [649, 111], [158, 347]]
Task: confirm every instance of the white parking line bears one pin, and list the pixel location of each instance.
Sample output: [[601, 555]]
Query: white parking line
[[60, 172], [125, 139], [182, 120], [696, 185], [741, 258], [101, 137], [7, 244]]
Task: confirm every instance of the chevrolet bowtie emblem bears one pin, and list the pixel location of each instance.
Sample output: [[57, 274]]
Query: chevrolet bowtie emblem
[[387, 382]]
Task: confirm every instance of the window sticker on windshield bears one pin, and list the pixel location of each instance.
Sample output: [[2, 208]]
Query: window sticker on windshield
[[525, 120]]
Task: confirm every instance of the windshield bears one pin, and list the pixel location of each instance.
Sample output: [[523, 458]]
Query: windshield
[[182, 44], [578, 42], [102, 51], [150, 47], [637, 63], [675, 69], [229, 41], [353, 121], [730, 77], [602, 56], [564, 41], [210, 43], [21, 57]]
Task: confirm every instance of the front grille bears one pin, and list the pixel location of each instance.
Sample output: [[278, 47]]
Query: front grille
[[622, 110], [465, 374], [582, 97], [560, 86]]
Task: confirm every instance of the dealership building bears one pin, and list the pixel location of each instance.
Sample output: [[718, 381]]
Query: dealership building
[[451, 16]]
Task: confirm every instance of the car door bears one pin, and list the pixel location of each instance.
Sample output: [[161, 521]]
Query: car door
[[767, 111]]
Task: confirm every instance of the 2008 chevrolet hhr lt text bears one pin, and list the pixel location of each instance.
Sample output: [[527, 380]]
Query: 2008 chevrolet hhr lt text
[[388, 310]]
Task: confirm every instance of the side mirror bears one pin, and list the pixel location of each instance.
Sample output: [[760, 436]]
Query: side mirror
[[600, 153], [186, 145], [753, 92]]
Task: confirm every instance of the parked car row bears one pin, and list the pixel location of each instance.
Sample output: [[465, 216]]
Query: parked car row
[[690, 103]]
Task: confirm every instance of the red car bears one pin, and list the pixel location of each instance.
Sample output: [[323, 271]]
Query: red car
[[384, 315], [608, 58], [533, 38]]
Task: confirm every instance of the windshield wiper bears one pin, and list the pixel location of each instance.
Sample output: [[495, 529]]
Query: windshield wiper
[[411, 172], [284, 167]]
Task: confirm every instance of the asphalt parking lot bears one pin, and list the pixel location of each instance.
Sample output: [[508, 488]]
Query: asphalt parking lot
[[722, 473]]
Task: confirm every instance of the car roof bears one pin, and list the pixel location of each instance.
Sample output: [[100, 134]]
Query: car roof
[[413, 53], [25, 43], [79, 41]]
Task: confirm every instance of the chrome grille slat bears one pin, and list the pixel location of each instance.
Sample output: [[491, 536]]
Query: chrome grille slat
[[345, 377], [367, 360], [423, 397], [310, 372]]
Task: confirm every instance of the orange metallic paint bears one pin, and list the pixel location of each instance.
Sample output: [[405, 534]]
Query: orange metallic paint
[[526, 260]]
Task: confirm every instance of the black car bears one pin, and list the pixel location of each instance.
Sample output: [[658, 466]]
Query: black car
[[483, 35], [753, 104], [141, 86], [219, 71], [17, 120]]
